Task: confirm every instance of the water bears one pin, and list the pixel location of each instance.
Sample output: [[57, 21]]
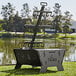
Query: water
[[7, 45]]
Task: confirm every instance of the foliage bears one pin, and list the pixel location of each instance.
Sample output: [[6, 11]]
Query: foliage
[[1, 27], [6, 35], [14, 20], [18, 24], [55, 35], [67, 22], [25, 11], [57, 18], [7, 11], [11, 19]]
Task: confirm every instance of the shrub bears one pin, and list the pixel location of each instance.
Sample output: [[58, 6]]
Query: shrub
[[6, 35]]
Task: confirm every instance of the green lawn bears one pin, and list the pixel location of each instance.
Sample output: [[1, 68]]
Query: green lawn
[[69, 70]]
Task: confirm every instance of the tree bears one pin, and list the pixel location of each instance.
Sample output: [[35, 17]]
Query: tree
[[57, 18], [18, 23], [7, 13], [1, 23], [67, 22], [25, 11]]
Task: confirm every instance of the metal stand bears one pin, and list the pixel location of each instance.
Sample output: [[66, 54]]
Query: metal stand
[[39, 57]]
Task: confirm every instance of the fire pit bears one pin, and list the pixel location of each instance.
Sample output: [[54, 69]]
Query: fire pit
[[39, 57]]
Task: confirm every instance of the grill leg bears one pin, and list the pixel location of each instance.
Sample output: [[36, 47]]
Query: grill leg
[[60, 67], [17, 66], [43, 69]]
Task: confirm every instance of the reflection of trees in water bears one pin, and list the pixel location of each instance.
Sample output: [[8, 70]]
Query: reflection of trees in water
[[60, 43], [70, 47], [7, 46], [63, 44]]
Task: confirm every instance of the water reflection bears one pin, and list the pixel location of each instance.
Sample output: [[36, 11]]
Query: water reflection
[[1, 57], [7, 46]]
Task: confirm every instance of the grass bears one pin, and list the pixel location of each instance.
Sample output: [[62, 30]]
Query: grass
[[69, 70], [61, 35]]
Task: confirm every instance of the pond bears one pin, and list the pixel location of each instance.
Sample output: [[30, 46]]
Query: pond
[[7, 45]]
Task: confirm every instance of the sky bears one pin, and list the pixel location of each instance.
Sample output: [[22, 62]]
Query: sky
[[66, 5]]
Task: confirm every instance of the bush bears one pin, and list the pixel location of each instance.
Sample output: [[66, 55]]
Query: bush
[[54, 35], [6, 35]]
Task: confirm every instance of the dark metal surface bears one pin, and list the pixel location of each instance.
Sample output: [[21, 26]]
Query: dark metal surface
[[40, 57], [25, 56]]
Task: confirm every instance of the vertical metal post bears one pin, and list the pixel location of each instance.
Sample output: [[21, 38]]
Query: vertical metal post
[[38, 22]]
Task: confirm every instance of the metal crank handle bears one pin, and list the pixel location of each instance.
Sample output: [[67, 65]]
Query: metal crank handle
[[43, 3]]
